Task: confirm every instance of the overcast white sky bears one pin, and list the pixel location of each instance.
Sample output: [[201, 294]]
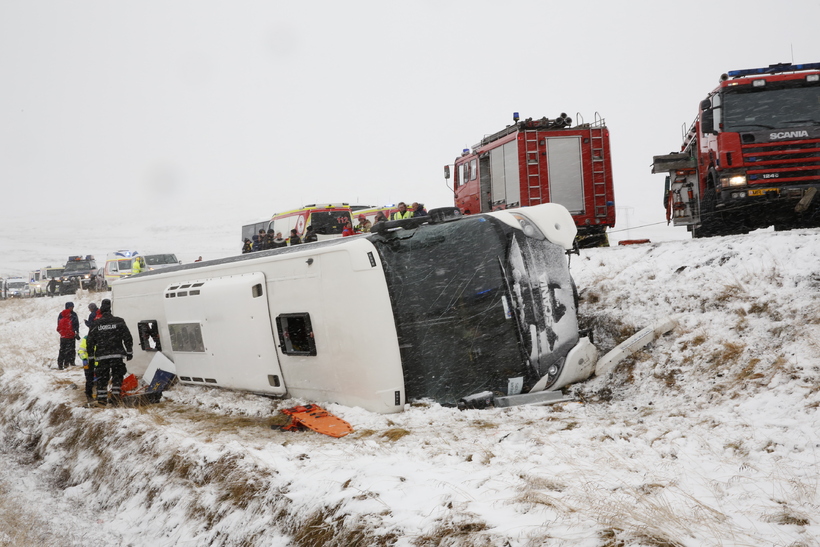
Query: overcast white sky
[[204, 109]]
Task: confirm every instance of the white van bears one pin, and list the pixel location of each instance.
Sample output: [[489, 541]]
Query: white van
[[39, 279], [157, 261], [443, 307]]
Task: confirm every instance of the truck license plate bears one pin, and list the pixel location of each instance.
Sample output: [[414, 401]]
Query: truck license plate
[[763, 191]]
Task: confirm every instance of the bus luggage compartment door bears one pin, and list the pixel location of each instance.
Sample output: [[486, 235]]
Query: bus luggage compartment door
[[221, 333]]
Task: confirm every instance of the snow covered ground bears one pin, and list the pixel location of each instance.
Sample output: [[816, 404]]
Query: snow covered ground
[[709, 437]]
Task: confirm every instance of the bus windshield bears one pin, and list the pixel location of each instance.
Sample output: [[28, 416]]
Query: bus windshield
[[478, 307]]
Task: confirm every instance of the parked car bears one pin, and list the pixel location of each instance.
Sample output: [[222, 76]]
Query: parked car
[[18, 287]]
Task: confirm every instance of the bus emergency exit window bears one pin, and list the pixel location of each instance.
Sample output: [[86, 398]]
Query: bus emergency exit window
[[295, 334], [149, 335]]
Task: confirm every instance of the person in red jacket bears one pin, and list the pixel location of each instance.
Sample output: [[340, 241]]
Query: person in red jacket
[[347, 229], [68, 325]]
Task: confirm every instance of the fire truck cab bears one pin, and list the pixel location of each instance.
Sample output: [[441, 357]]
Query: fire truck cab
[[541, 161], [751, 158]]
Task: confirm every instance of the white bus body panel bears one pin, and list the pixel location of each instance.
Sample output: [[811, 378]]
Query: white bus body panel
[[357, 361], [235, 323]]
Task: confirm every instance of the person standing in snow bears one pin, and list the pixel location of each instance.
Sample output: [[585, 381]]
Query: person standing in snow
[[311, 236], [88, 368], [68, 325], [258, 241], [110, 341], [402, 213], [294, 238], [418, 209], [347, 229], [364, 225], [269, 240], [94, 314], [279, 241]]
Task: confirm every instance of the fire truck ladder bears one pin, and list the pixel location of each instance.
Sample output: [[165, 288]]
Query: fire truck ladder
[[596, 139], [533, 168]]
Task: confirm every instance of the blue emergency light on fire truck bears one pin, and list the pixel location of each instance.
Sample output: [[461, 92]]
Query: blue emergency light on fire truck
[[448, 307], [751, 158]]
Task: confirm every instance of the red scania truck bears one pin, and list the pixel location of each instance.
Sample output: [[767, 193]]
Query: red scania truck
[[751, 159], [542, 161]]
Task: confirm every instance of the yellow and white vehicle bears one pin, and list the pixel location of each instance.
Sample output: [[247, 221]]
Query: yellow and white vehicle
[[119, 264]]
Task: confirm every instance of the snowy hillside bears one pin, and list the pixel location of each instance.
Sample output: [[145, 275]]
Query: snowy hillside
[[709, 437]]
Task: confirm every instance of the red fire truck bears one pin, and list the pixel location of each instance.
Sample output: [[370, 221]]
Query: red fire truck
[[542, 161], [751, 159]]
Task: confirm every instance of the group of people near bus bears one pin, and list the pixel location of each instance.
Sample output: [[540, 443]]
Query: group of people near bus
[[273, 240], [401, 212], [102, 350]]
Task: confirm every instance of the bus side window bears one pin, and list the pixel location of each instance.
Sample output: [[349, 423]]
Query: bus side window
[[148, 332], [295, 334]]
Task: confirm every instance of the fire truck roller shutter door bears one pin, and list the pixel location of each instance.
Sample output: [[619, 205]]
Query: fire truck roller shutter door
[[566, 178]]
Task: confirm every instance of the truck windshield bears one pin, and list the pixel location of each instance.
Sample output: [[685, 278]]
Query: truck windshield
[[53, 272], [328, 222], [475, 307], [78, 266], [753, 108]]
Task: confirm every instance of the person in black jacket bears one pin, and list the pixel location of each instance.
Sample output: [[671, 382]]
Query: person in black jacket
[[111, 341], [93, 315], [310, 235]]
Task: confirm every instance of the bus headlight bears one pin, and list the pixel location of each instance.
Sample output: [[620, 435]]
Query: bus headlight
[[733, 180], [528, 227]]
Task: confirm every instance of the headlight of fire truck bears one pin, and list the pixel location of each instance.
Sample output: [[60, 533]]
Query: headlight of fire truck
[[733, 180]]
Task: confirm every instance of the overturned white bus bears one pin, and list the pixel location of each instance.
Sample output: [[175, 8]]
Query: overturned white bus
[[440, 307]]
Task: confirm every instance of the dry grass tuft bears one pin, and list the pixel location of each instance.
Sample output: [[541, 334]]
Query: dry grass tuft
[[395, 434], [449, 533], [330, 528], [726, 354], [20, 527]]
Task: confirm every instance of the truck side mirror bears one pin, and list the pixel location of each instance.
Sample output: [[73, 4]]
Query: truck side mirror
[[707, 119]]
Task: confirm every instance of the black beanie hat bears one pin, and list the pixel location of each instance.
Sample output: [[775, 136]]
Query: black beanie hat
[[69, 305], [105, 305]]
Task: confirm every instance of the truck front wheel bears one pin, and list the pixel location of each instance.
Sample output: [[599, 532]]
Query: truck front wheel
[[710, 220]]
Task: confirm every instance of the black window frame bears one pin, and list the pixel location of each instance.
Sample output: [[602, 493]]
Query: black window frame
[[146, 330], [288, 325]]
